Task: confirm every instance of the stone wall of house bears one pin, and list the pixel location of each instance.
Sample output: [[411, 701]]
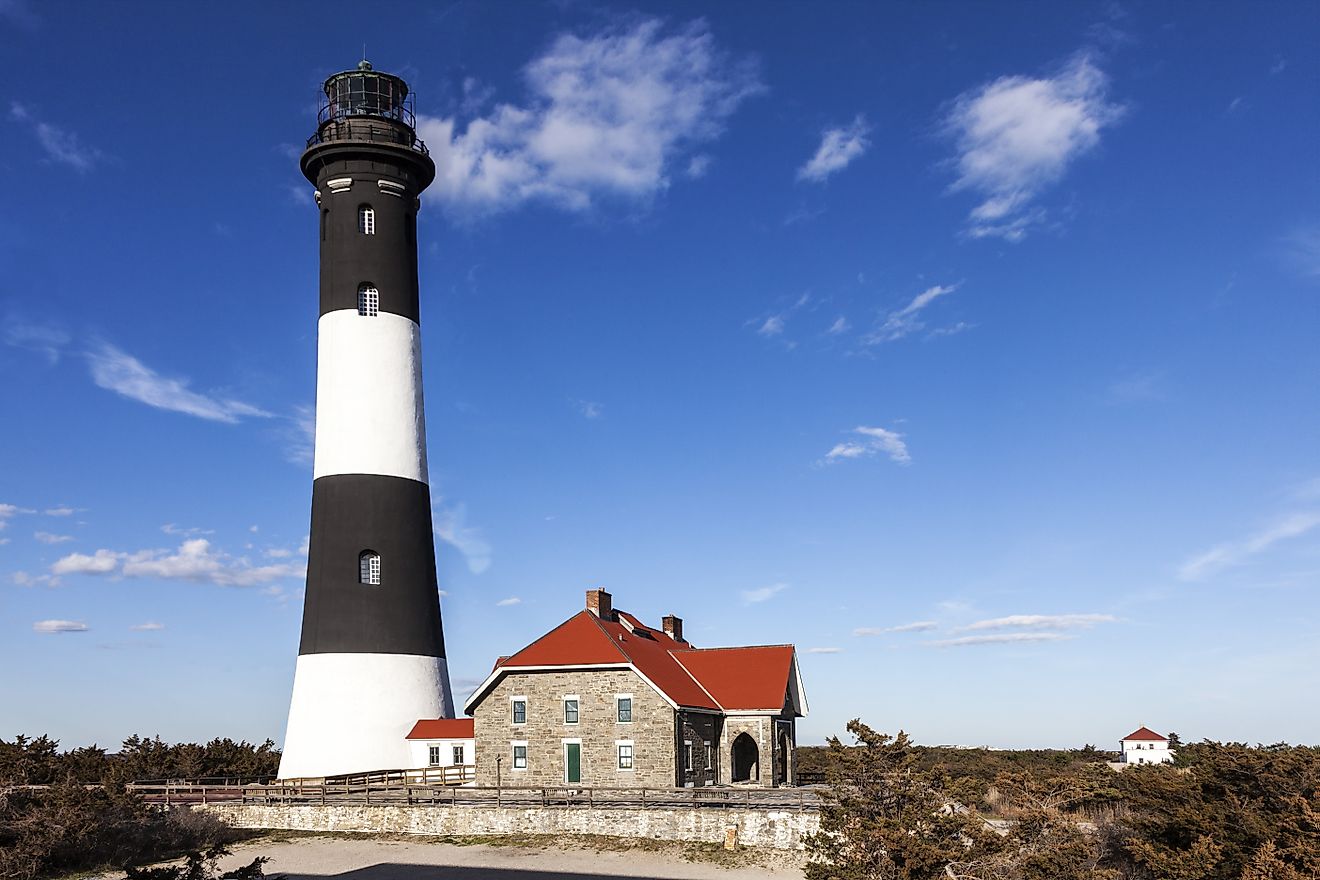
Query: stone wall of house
[[767, 828], [700, 729], [651, 730]]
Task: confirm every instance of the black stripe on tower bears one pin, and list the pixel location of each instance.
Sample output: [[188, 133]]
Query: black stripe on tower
[[388, 516]]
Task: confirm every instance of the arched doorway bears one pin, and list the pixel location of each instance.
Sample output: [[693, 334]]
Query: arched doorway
[[781, 759], [746, 759]]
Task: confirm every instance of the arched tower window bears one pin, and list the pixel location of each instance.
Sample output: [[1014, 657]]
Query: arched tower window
[[369, 567], [368, 300], [366, 220]]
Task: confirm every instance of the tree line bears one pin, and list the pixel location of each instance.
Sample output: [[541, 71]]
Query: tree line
[[1222, 811]]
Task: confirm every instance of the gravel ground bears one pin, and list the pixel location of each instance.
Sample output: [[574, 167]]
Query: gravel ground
[[413, 858]]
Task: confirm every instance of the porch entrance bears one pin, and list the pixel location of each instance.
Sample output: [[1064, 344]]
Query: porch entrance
[[746, 759]]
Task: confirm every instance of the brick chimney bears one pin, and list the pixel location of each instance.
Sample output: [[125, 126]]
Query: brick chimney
[[673, 627], [600, 604]]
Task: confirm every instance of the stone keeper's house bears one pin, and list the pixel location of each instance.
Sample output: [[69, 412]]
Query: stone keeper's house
[[602, 699]]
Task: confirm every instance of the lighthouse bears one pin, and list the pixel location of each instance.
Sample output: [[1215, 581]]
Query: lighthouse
[[371, 660]]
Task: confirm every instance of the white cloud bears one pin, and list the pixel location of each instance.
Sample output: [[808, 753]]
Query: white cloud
[[59, 511], [23, 579], [1234, 553], [55, 627], [607, 115], [771, 326], [102, 562], [951, 330], [190, 532], [590, 409], [194, 560], [149, 626], [450, 524], [698, 166], [838, 148], [50, 538], [1040, 621], [1000, 639], [916, 626], [874, 440], [840, 325], [299, 435], [1018, 135], [901, 322], [512, 600], [50, 341], [61, 146], [761, 594], [824, 650], [117, 371]]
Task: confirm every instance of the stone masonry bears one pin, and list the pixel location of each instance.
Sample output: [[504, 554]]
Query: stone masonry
[[651, 731]]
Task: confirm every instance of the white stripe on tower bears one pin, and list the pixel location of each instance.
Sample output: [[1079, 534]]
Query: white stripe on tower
[[369, 412]]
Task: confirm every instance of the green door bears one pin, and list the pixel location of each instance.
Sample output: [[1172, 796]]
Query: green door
[[572, 762]]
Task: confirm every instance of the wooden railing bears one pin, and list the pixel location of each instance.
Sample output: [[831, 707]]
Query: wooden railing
[[394, 787]]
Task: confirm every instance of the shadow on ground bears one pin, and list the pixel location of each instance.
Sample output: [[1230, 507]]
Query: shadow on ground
[[394, 871]]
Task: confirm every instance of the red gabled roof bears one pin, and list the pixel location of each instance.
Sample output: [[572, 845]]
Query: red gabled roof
[[1144, 733], [720, 679], [442, 728], [743, 678]]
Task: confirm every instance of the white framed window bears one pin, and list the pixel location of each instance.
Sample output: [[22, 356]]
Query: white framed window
[[570, 710], [687, 755], [625, 750], [710, 758], [518, 710], [519, 754], [458, 755], [433, 756], [368, 300], [623, 708], [369, 567], [367, 220]]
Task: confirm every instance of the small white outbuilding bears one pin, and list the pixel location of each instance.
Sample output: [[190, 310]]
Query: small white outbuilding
[[1145, 746], [438, 743]]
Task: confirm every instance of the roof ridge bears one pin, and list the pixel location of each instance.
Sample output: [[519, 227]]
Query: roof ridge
[[683, 666], [739, 647], [606, 633]]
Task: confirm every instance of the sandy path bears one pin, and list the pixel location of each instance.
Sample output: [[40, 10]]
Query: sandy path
[[426, 859]]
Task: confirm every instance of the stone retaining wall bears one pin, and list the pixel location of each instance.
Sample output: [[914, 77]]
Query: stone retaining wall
[[767, 828]]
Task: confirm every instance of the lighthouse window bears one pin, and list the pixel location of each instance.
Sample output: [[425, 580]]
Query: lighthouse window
[[369, 567], [368, 301], [367, 220]]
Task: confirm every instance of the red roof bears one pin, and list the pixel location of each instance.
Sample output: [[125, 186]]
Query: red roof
[[711, 678], [442, 728], [743, 678], [1144, 733]]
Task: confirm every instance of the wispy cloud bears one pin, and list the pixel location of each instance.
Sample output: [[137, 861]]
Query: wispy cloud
[[48, 341], [838, 148], [1233, 553], [1136, 388], [1301, 249], [61, 146], [57, 627], [590, 409], [824, 650], [901, 322], [505, 603], [915, 626], [1040, 621], [772, 326], [120, 372], [872, 441], [189, 532], [1017, 135], [608, 115], [449, 522], [149, 626], [1012, 638], [51, 538], [60, 511], [194, 560], [761, 594], [23, 579]]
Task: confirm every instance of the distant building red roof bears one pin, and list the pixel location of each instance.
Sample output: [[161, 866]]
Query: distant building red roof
[[1144, 733], [442, 728], [722, 679]]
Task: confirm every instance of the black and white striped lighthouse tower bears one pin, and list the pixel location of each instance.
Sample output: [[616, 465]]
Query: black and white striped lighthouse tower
[[372, 657]]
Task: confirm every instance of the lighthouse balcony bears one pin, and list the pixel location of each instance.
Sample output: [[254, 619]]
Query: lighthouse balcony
[[370, 129]]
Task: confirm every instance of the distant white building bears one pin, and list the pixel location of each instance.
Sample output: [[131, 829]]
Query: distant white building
[[1145, 746]]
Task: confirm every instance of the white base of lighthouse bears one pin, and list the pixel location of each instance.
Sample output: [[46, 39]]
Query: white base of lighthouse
[[351, 712]]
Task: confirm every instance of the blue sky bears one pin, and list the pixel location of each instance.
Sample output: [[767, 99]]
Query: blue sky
[[968, 347]]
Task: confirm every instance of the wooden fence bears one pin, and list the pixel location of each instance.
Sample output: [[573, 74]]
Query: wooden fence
[[397, 788]]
